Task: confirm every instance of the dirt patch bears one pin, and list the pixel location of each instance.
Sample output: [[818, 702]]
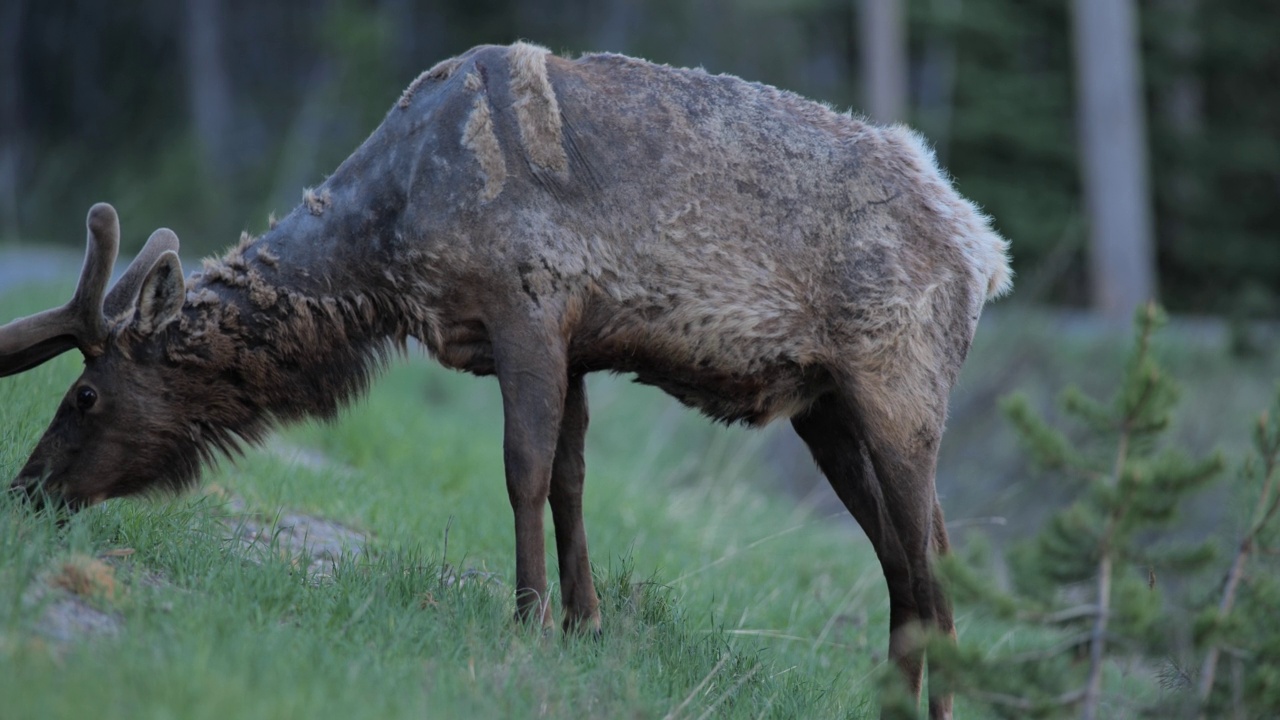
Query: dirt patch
[[307, 541], [78, 596], [85, 576], [308, 458], [68, 618]]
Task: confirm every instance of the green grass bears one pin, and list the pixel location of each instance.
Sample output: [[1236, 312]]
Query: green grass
[[719, 599]]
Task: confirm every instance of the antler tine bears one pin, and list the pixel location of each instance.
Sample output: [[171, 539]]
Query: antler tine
[[125, 291], [99, 261], [29, 341]]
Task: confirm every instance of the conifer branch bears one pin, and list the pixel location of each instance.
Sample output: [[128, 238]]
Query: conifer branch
[[1097, 640], [1132, 415], [1014, 702], [1065, 615], [1268, 442], [1074, 641]]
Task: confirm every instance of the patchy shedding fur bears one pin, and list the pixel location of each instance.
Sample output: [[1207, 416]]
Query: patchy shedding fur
[[316, 202], [537, 110], [440, 71], [267, 257], [292, 355], [479, 138]]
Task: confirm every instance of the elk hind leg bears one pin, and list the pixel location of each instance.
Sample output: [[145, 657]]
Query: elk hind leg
[[832, 430], [902, 420]]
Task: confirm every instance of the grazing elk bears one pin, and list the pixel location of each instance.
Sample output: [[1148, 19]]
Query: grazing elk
[[752, 253]]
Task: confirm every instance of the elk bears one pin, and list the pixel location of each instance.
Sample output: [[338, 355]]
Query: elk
[[752, 253]]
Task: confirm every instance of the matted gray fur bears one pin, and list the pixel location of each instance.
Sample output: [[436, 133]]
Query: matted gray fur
[[754, 254]]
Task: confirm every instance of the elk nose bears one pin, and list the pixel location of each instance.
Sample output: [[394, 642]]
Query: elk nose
[[27, 486]]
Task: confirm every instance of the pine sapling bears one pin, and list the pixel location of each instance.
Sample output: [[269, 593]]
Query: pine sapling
[[1090, 575]]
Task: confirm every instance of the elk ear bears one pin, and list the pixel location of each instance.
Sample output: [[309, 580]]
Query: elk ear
[[161, 295]]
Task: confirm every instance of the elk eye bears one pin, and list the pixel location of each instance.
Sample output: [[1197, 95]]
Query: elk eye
[[86, 397]]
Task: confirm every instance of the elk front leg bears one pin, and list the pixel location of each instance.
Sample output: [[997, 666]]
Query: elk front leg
[[532, 375], [577, 590]]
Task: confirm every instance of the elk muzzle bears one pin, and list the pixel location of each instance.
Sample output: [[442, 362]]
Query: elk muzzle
[[32, 486]]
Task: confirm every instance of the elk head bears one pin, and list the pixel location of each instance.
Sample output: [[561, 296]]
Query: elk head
[[98, 443]]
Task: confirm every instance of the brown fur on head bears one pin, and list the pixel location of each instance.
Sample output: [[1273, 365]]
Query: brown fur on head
[[113, 433], [119, 428]]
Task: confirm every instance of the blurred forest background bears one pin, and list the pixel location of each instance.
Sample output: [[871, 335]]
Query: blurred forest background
[[203, 115]]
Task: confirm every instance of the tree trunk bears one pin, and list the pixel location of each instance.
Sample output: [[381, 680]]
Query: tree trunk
[[1112, 132], [1182, 106], [882, 34], [936, 86]]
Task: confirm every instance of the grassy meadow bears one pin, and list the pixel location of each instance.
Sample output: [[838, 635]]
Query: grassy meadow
[[722, 595], [719, 599]]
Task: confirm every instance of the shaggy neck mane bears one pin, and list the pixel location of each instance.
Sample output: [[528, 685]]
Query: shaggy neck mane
[[275, 354]]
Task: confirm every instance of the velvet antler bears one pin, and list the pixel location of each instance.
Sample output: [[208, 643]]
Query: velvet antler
[[82, 322]]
